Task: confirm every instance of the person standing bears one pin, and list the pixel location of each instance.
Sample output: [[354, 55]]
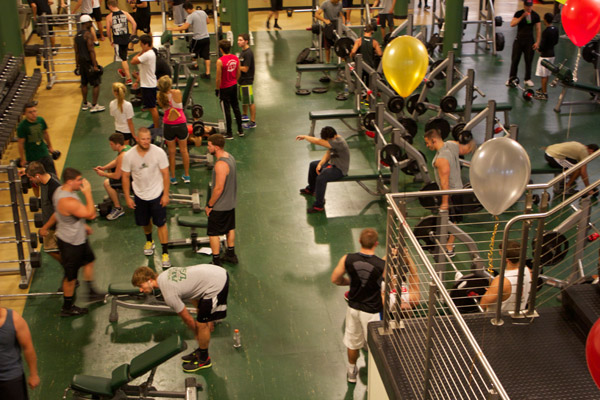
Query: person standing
[[526, 21], [15, 337], [228, 73], [71, 234], [87, 64], [329, 13], [276, 6], [205, 285], [97, 16], [386, 14], [331, 167], [48, 183], [146, 59], [220, 207], [141, 15], [368, 47], [122, 111], [247, 81], [549, 40], [147, 165], [200, 43], [117, 29], [38, 8], [87, 8], [179, 13], [34, 140]]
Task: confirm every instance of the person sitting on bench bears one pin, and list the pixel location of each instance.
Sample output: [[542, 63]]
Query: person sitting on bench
[[332, 167], [205, 285], [112, 171], [565, 155], [509, 290]]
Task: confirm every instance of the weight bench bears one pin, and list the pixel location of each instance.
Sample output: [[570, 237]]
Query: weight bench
[[193, 222], [504, 107], [342, 114], [127, 296], [300, 68], [117, 386], [360, 175], [192, 199]]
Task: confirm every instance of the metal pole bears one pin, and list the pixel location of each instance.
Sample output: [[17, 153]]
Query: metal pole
[[429, 339]]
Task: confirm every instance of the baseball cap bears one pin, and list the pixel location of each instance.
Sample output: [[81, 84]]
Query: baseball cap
[[85, 18], [528, 2]]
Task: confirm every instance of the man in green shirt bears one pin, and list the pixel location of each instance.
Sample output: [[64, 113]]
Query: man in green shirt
[[34, 141]]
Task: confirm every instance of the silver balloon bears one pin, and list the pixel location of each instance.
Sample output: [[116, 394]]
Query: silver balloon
[[500, 171]]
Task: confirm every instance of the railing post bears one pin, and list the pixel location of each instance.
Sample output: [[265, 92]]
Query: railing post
[[537, 253], [428, 340]]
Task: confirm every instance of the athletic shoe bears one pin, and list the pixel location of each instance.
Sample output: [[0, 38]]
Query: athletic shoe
[[307, 192], [538, 91], [241, 133], [128, 82], [194, 67], [450, 253], [191, 357], [205, 76], [268, 25], [541, 96], [96, 43], [314, 210], [352, 374], [249, 125], [197, 365], [228, 136], [86, 106], [230, 258], [166, 262], [276, 26], [507, 83], [96, 296], [149, 248], [245, 118], [529, 83], [174, 181], [55, 52], [97, 108], [426, 8], [73, 311], [115, 213], [121, 73], [186, 179]]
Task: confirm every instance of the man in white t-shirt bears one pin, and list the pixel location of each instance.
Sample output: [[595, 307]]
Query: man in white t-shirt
[[200, 43], [146, 60], [204, 285], [148, 166]]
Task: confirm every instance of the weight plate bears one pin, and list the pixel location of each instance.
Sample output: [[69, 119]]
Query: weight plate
[[440, 124], [424, 230], [432, 203]]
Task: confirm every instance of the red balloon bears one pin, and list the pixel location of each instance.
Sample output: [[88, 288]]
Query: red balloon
[[592, 352], [581, 20]]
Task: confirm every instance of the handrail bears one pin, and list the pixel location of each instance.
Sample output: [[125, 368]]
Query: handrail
[[449, 302]]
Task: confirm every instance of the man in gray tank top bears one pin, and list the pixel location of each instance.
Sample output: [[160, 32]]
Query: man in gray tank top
[[447, 173], [220, 207], [71, 235]]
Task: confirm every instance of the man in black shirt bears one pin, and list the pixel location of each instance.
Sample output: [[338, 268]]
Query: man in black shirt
[[549, 40], [246, 81], [117, 29], [39, 7], [526, 20], [85, 57]]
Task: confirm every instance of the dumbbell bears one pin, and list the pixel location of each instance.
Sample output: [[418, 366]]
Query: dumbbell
[[33, 240], [55, 154], [527, 93], [35, 259]]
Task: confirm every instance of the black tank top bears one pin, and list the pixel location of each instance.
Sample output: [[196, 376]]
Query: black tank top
[[120, 29], [366, 275], [366, 49], [83, 52]]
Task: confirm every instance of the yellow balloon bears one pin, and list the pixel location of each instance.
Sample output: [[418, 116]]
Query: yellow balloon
[[405, 61]]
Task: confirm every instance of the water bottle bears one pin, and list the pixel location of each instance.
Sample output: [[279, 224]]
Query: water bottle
[[237, 339], [593, 236], [528, 18]]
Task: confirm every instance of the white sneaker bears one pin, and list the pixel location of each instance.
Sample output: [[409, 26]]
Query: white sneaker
[[529, 83], [86, 106], [352, 374], [507, 83], [97, 108]]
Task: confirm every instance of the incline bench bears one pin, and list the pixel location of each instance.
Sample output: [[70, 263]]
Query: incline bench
[[300, 68], [476, 108], [342, 115], [117, 386], [359, 175]]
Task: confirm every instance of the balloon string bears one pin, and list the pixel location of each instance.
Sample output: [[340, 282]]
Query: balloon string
[[491, 252]]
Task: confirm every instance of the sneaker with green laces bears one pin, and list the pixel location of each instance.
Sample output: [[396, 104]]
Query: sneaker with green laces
[[149, 248], [197, 365]]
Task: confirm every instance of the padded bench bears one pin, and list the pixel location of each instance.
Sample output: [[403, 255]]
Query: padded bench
[[193, 222], [341, 114], [117, 385], [504, 107], [360, 175], [300, 68]]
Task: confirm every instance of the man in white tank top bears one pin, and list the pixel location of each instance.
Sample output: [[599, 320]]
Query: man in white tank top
[[511, 276]]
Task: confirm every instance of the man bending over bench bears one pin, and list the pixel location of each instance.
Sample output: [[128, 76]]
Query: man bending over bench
[[566, 155], [206, 286], [332, 167]]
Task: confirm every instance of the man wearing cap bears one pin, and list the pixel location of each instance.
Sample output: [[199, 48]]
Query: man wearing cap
[[87, 65], [526, 20]]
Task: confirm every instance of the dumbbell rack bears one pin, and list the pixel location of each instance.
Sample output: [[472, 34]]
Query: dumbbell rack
[[22, 233]]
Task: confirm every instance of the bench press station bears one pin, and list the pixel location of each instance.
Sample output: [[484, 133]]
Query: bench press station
[[117, 387]]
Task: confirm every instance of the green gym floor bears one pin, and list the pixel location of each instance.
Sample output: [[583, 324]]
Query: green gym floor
[[289, 314]]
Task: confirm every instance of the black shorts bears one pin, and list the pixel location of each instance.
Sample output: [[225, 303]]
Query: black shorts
[[14, 389], [149, 209], [554, 163], [96, 14], [48, 164], [149, 97], [276, 5], [386, 19], [455, 211], [74, 257], [220, 222], [127, 136], [209, 310], [116, 184], [89, 76], [172, 132], [201, 48], [346, 3], [120, 52]]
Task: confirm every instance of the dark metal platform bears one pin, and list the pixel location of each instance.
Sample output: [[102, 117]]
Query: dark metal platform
[[582, 304], [541, 360]]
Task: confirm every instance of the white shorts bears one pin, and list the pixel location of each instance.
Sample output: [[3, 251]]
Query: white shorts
[[355, 337], [541, 70]]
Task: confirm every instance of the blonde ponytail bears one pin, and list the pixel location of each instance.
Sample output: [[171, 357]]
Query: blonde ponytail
[[119, 90]]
